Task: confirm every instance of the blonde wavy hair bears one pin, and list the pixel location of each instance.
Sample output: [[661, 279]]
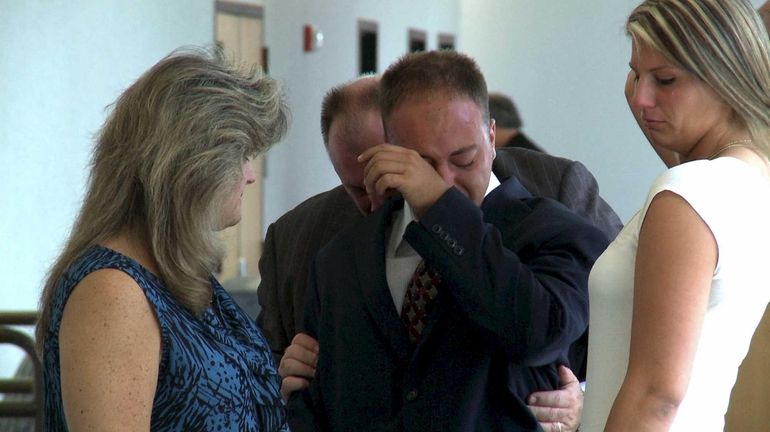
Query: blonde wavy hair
[[722, 42], [164, 163]]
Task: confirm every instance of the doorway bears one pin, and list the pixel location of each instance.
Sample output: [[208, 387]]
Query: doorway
[[239, 30]]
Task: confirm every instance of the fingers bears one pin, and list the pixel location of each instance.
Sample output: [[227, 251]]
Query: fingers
[[298, 364], [383, 160], [563, 406], [567, 378], [384, 168], [384, 176], [550, 413], [550, 421], [306, 341], [291, 384], [392, 168], [365, 156], [300, 358], [554, 427], [551, 399]]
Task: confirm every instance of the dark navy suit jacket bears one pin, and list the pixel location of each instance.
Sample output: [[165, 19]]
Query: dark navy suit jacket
[[513, 297]]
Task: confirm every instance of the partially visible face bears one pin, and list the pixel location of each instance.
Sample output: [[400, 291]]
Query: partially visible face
[[231, 212], [764, 12], [668, 157], [346, 143], [451, 134], [676, 110]]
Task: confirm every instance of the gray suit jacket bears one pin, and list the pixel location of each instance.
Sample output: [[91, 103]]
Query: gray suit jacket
[[563, 180], [294, 239], [291, 243]]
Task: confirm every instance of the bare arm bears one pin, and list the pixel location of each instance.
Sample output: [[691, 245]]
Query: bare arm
[[675, 261], [110, 351], [563, 406]]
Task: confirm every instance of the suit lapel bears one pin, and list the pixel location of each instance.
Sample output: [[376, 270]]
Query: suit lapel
[[370, 268]]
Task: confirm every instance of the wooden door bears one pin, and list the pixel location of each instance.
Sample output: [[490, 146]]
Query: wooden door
[[239, 32]]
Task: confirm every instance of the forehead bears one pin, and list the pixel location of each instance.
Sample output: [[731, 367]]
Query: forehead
[[643, 55], [435, 118]]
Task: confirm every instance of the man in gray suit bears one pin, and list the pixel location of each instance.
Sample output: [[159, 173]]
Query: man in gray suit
[[350, 124]]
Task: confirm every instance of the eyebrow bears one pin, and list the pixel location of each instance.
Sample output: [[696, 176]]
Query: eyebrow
[[454, 153], [464, 150], [655, 69]]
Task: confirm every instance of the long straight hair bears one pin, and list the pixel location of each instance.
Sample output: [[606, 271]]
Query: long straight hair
[[165, 160], [722, 42]]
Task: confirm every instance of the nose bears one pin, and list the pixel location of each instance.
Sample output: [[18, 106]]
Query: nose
[[446, 172], [642, 95], [249, 173]]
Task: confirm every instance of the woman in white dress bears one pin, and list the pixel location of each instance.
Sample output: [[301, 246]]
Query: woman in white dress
[[676, 297]]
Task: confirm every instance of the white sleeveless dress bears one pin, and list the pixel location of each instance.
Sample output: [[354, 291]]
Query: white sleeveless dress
[[734, 201]]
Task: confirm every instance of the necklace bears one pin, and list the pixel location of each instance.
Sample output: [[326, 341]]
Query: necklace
[[731, 144]]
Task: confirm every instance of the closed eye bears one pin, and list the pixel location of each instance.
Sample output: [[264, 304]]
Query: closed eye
[[465, 158], [465, 164]]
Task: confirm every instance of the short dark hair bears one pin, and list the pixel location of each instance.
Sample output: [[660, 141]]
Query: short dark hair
[[433, 71], [503, 110], [347, 99]]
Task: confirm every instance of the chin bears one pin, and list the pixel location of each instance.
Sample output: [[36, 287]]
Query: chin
[[228, 223]]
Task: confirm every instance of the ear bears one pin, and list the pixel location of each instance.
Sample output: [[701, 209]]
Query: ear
[[492, 130]]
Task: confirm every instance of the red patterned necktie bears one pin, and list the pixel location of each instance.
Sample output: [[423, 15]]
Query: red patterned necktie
[[422, 288]]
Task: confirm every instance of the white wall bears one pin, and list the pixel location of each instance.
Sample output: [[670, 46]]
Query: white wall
[[62, 63], [298, 167], [565, 65]]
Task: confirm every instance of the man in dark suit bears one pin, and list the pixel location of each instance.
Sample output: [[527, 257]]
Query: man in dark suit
[[351, 124], [500, 289]]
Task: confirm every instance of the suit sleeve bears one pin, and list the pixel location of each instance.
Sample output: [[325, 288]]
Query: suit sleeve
[[270, 318], [305, 408], [527, 294], [580, 192]]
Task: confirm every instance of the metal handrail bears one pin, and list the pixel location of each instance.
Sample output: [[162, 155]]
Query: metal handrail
[[17, 385], [28, 318], [10, 335]]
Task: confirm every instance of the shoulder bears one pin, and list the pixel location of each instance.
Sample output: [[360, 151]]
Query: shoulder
[[541, 173], [702, 184], [326, 204], [107, 296], [720, 192], [529, 159], [108, 313]]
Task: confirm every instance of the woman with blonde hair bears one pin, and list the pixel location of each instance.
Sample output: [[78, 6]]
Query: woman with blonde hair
[[135, 332], [675, 299]]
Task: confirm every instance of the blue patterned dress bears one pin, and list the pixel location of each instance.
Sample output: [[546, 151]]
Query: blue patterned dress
[[216, 373]]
